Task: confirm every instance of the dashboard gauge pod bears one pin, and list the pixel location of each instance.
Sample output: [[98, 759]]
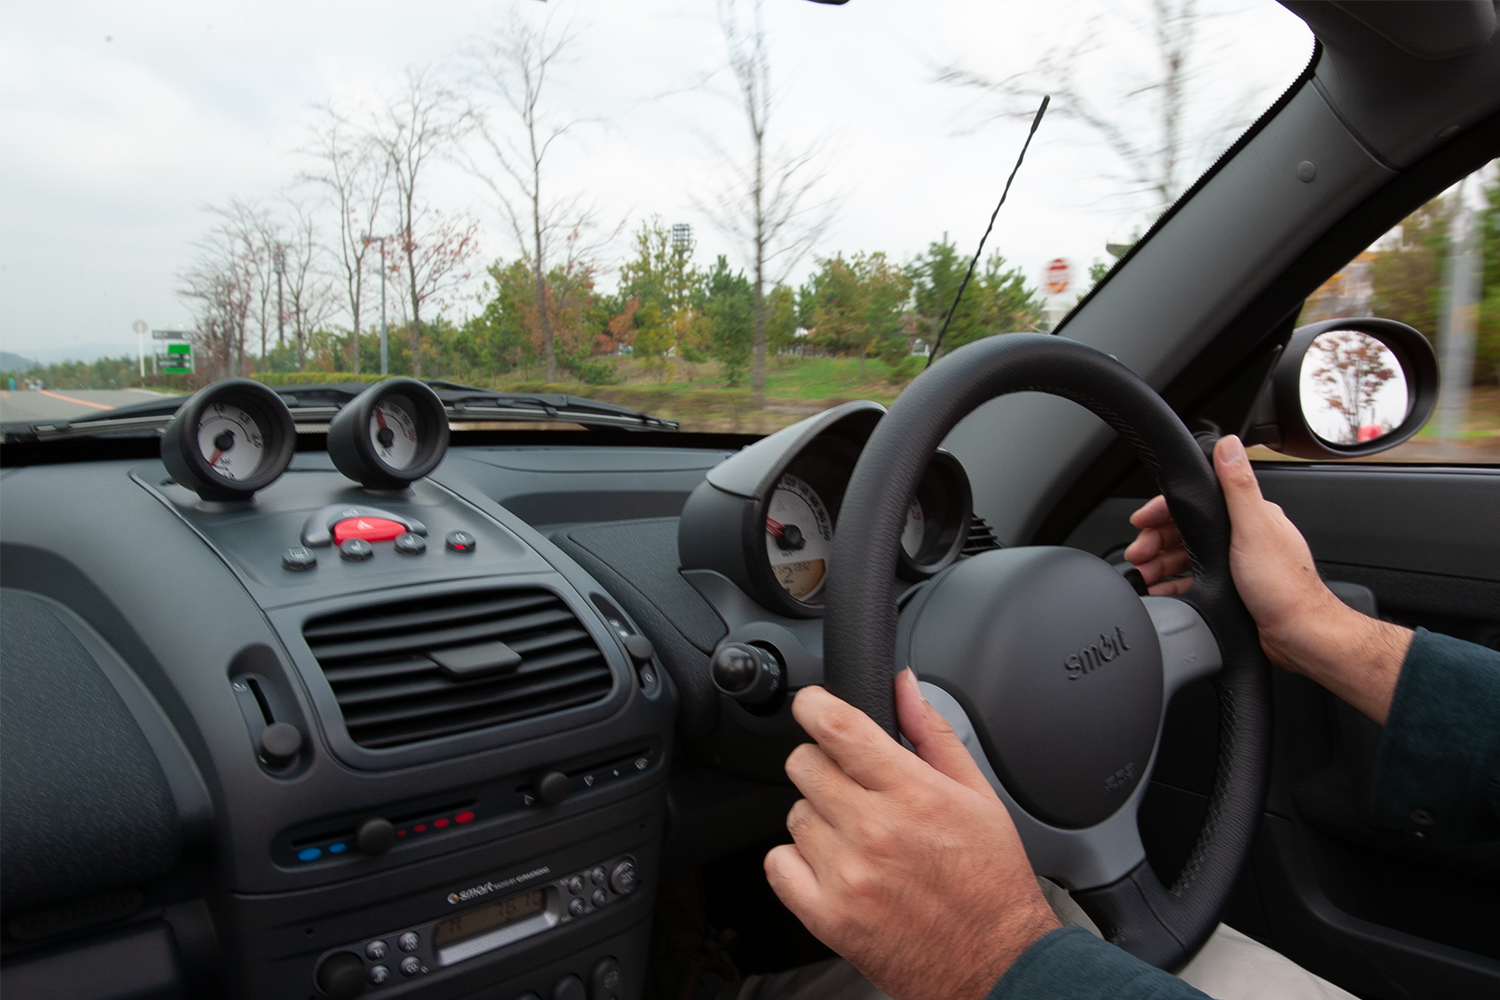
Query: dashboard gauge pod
[[229, 440], [393, 433], [937, 524]]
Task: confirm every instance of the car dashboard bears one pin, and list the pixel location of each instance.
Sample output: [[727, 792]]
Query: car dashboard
[[449, 761]]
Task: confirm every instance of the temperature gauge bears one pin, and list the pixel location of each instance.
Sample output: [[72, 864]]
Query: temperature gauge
[[394, 432], [799, 538]]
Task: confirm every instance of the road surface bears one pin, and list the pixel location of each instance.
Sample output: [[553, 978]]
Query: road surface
[[66, 404]]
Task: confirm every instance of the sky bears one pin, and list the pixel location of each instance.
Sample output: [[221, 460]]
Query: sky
[[123, 122]]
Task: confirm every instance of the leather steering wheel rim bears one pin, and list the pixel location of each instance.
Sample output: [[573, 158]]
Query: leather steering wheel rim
[[1161, 925]]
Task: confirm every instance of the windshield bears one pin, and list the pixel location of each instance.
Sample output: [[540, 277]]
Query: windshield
[[728, 215]]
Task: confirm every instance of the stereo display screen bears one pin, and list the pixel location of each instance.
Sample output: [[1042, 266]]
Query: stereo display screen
[[488, 918]]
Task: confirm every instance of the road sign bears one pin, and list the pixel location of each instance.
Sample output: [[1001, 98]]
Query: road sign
[[139, 326], [171, 334], [1058, 276], [174, 359]]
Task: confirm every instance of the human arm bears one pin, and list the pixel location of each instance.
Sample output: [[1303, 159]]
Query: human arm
[[1304, 628]]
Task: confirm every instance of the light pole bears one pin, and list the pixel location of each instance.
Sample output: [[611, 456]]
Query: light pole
[[385, 366], [278, 264]]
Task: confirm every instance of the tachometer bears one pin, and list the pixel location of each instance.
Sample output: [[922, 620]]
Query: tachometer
[[394, 433], [915, 531], [799, 538], [391, 434]]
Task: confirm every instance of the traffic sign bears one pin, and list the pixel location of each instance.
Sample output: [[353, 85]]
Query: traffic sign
[[174, 359], [171, 334], [139, 326], [1058, 276]]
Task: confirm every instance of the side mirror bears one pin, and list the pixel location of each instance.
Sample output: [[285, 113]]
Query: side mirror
[[1346, 388]]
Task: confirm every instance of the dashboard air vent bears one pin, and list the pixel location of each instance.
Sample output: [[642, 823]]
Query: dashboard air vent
[[418, 670], [981, 537]]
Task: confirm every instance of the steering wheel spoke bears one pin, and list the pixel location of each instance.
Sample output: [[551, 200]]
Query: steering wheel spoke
[[1189, 651]]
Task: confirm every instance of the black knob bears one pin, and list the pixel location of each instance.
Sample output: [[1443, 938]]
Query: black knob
[[791, 538], [639, 648], [342, 975], [375, 835], [280, 742], [553, 788], [748, 674], [569, 988]]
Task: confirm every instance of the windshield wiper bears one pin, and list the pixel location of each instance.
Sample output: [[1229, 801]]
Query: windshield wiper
[[315, 405]]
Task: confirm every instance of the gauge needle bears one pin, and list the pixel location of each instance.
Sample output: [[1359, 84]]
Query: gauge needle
[[214, 460], [380, 418], [773, 527]]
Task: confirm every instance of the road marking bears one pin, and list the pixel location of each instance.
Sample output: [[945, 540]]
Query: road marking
[[80, 402]]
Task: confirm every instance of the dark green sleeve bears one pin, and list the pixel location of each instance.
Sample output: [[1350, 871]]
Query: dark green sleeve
[[1438, 770], [1072, 964]]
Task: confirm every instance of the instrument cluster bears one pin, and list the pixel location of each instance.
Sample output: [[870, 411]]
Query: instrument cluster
[[237, 436]]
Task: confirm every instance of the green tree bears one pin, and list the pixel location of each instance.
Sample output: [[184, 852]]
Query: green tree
[[728, 313], [653, 339], [1407, 273], [996, 301], [858, 307], [1487, 345]]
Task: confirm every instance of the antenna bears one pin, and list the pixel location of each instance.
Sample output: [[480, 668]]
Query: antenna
[[975, 262]]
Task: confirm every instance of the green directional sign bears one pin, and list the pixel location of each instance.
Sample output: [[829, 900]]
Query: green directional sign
[[174, 359]]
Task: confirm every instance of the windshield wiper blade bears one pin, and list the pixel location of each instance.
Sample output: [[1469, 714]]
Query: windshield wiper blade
[[471, 403]]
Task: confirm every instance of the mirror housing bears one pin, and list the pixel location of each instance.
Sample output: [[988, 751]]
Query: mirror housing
[[1278, 421]]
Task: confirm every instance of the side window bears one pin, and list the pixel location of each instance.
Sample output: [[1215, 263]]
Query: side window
[[1438, 271]]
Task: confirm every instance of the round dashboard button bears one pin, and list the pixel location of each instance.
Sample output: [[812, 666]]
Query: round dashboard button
[[298, 559], [460, 541], [411, 965], [408, 941], [411, 544], [375, 950], [598, 874], [569, 988], [379, 974], [575, 884], [356, 549], [622, 879], [600, 897], [576, 906]]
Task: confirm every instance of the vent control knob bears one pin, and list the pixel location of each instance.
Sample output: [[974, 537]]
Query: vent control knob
[[280, 742], [639, 648], [375, 835], [749, 674], [342, 975], [553, 788]]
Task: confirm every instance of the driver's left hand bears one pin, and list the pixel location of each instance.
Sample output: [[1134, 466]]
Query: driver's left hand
[[906, 864]]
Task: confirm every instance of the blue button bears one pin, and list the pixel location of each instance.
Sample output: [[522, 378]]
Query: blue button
[[338, 848], [309, 854]]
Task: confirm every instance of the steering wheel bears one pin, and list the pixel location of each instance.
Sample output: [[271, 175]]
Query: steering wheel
[[1052, 669]]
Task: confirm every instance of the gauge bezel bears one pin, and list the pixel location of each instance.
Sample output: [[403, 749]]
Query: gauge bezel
[[189, 467], [947, 502], [825, 465], [354, 454]]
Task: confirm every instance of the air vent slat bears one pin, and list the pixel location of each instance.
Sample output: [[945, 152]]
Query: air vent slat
[[981, 537], [461, 701], [425, 618], [411, 642], [391, 694]]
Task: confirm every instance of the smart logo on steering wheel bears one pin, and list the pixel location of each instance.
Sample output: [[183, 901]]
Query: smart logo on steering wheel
[[1094, 655]]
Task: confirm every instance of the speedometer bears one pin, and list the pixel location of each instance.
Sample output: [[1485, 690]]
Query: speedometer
[[799, 538]]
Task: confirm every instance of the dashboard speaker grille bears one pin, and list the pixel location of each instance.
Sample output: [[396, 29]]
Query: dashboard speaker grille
[[380, 662]]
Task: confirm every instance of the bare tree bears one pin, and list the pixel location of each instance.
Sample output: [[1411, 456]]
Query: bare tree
[[308, 294], [415, 130], [221, 284], [1155, 159], [768, 205], [355, 173], [513, 65]]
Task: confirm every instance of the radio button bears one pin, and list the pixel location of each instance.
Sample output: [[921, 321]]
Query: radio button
[[575, 884], [408, 941], [575, 906], [375, 950], [569, 988], [379, 975], [600, 897], [622, 879], [598, 875], [411, 965], [604, 981]]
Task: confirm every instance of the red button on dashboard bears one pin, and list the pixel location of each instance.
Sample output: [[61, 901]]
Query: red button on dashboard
[[371, 529]]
